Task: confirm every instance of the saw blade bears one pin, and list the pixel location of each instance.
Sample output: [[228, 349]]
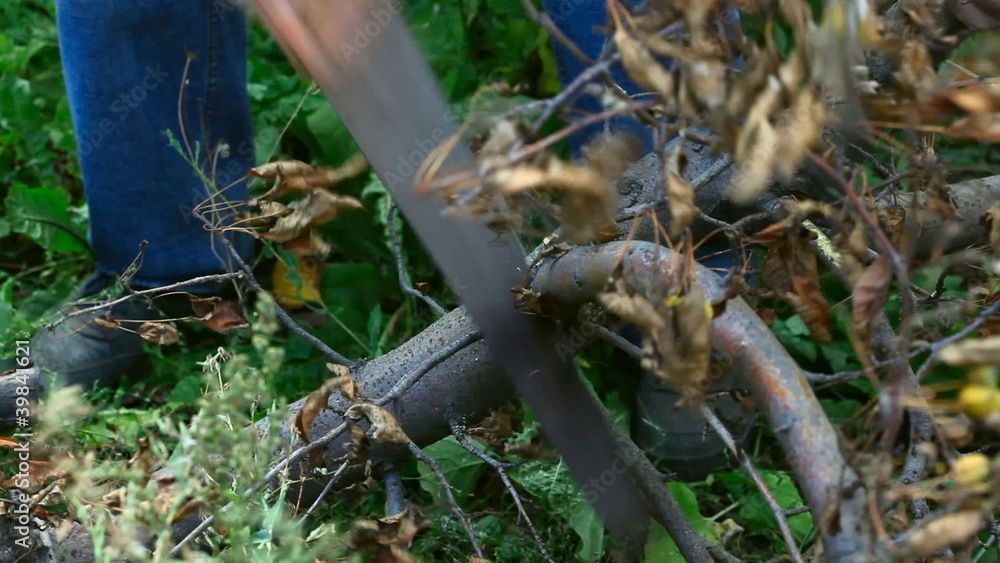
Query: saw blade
[[362, 56]]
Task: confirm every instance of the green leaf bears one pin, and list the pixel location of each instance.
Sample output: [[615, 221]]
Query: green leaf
[[35, 212], [375, 329], [840, 410], [791, 337], [4, 227], [6, 316], [755, 512], [797, 326], [41, 301], [660, 547], [331, 140], [461, 468], [186, 392], [838, 354], [588, 526]]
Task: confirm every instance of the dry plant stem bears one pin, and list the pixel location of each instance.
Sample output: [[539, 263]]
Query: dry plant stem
[[664, 507], [446, 486], [214, 278], [501, 470], [772, 503], [404, 281], [566, 94], [298, 454], [618, 340], [936, 347], [545, 21], [775, 379], [326, 490], [283, 316]]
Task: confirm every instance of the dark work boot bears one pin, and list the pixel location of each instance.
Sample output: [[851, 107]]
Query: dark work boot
[[79, 351]]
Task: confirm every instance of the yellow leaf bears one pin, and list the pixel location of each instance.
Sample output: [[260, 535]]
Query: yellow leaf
[[295, 294]]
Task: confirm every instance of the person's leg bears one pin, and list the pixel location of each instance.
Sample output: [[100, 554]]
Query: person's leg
[[124, 64], [583, 22]]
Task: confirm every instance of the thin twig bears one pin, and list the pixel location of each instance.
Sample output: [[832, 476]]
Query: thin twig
[[283, 316], [268, 477], [404, 281], [153, 291], [772, 503], [936, 347], [545, 21], [446, 486], [501, 470], [326, 490], [566, 94], [618, 340]]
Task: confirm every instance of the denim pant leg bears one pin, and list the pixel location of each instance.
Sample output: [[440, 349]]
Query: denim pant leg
[[582, 21], [124, 62]]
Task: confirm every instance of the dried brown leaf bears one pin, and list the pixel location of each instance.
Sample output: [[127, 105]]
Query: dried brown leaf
[[217, 314], [38, 475], [867, 299], [143, 460], [680, 192], [955, 529], [498, 426], [315, 208], [308, 244], [389, 537], [347, 386], [160, 333], [798, 131], [991, 223], [385, 427], [980, 351], [790, 269], [677, 337], [318, 399], [297, 176], [108, 322], [272, 170], [642, 66], [360, 445]]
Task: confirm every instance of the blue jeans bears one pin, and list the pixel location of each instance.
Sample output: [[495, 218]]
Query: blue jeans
[[124, 62]]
